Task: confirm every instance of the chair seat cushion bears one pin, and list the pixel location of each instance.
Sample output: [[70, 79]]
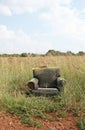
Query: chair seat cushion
[[46, 91]]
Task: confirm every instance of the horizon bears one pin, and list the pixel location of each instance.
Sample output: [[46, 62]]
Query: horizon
[[36, 27], [28, 53]]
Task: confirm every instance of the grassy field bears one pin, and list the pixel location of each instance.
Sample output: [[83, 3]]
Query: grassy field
[[16, 72]]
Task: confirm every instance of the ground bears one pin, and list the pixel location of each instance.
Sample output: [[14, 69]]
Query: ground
[[12, 122]]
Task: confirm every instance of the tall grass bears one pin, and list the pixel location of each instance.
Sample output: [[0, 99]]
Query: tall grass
[[15, 73]]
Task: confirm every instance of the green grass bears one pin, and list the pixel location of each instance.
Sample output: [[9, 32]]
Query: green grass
[[81, 124], [15, 73], [29, 108]]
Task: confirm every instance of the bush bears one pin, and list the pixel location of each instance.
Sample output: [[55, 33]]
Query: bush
[[24, 55]]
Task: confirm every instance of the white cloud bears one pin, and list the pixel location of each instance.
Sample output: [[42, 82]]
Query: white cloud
[[18, 7], [29, 6], [45, 16], [63, 20], [62, 2], [5, 33], [82, 10], [5, 10], [19, 41]]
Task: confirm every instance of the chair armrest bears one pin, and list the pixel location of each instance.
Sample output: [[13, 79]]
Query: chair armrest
[[33, 83], [60, 83]]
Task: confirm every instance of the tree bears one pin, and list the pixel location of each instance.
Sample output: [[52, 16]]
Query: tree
[[80, 53], [24, 54]]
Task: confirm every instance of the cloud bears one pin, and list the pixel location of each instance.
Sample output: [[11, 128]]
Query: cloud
[[64, 22], [64, 19], [45, 16], [18, 42], [63, 2], [29, 6], [66, 25], [5, 33], [5, 10]]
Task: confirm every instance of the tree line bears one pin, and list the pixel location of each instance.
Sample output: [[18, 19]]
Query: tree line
[[48, 53]]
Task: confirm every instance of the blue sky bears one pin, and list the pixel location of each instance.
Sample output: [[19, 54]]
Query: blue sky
[[36, 26]]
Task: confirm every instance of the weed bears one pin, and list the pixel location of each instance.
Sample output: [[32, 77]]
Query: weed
[[31, 122], [81, 124]]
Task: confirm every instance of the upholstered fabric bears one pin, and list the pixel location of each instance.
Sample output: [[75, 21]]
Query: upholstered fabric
[[47, 76]]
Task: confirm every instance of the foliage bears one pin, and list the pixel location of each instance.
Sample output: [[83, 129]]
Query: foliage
[[24, 55], [81, 124], [29, 108], [48, 53]]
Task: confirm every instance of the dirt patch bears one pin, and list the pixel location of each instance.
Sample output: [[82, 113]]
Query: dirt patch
[[12, 122]]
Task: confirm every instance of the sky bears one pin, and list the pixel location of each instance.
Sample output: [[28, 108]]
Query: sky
[[36, 26]]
